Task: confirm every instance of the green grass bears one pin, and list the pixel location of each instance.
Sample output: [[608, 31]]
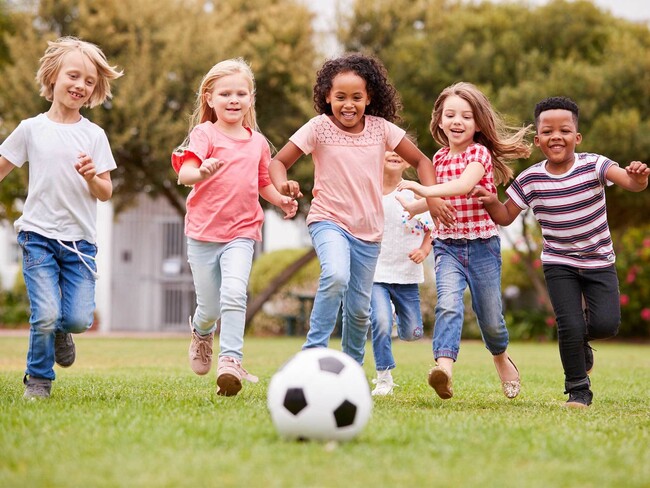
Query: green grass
[[131, 413]]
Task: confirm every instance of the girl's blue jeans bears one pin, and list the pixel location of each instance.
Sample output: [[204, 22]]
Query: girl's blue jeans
[[406, 300], [347, 270], [460, 263], [61, 291], [586, 305], [220, 271]]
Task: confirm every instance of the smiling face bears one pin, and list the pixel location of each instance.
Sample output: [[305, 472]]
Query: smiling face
[[231, 99], [348, 99], [75, 82], [457, 122], [557, 137]]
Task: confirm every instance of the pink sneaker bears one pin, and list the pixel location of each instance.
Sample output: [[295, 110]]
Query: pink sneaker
[[230, 372], [200, 352]]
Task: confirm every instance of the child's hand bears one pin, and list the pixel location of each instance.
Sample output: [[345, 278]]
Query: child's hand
[[410, 185], [289, 206], [291, 189], [443, 213], [210, 167], [638, 171], [85, 167], [484, 196], [418, 255]]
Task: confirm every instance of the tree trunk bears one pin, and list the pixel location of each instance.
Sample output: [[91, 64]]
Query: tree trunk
[[283, 277]]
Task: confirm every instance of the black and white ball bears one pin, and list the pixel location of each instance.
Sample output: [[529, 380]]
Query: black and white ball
[[319, 394]]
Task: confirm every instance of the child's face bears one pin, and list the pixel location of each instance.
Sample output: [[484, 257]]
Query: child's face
[[393, 163], [348, 98], [557, 137], [75, 82], [457, 122], [231, 99]]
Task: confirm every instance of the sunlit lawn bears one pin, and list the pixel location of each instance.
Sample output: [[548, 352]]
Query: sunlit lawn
[[131, 413]]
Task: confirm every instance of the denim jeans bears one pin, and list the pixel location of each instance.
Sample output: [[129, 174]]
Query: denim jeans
[[220, 271], [586, 305], [460, 263], [61, 291], [406, 300], [347, 269]]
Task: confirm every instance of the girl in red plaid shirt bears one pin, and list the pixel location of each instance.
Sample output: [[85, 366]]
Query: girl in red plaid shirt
[[476, 147]]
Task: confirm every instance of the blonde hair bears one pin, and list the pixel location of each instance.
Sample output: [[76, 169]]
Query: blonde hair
[[51, 62], [504, 143], [203, 112]]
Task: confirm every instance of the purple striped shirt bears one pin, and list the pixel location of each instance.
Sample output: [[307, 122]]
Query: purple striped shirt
[[570, 209]]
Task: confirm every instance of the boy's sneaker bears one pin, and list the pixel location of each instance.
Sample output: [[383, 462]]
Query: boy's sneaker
[[230, 373], [384, 383], [589, 358], [64, 349], [440, 381], [200, 351], [579, 399], [36, 388]]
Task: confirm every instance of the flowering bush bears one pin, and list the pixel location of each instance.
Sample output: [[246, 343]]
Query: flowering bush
[[633, 267]]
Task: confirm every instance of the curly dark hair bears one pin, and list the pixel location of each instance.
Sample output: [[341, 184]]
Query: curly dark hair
[[557, 103], [384, 100]]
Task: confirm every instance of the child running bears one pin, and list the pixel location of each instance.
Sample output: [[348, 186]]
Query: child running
[[347, 140], [476, 145], [70, 161], [566, 192], [404, 247], [225, 159]]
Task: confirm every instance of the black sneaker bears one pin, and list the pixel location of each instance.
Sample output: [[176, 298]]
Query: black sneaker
[[589, 358], [36, 388], [64, 349], [579, 399]]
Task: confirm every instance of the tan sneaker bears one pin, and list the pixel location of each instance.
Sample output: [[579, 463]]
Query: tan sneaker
[[230, 372], [200, 352], [440, 381]]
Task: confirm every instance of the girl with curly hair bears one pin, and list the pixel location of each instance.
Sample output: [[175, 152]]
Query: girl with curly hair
[[357, 106]]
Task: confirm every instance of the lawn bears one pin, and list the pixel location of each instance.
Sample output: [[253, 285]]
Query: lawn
[[130, 413]]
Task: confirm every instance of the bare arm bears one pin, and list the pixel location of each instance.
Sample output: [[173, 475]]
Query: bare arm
[[5, 167], [283, 160], [501, 213], [633, 178], [420, 254], [99, 185], [193, 170], [460, 186], [273, 196]]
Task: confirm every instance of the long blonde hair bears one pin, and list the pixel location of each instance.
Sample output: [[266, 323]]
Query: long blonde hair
[[51, 62], [203, 112], [504, 143]]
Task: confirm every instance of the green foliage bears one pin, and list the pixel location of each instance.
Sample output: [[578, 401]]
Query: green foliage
[[14, 304], [268, 265], [144, 420], [633, 267]]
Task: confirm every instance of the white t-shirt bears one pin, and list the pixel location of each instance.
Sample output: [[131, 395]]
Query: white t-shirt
[[59, 204], [401, 236]]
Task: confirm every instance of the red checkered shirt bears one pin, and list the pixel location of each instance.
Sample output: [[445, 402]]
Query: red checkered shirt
[[472, 220]]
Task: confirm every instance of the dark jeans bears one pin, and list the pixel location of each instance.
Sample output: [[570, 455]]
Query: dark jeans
[[599, 319]]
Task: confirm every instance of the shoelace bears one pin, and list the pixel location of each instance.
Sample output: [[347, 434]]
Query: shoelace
[[203, 349], [81, 257]]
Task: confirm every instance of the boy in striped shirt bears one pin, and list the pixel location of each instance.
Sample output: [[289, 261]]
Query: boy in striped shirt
[[566, 193]]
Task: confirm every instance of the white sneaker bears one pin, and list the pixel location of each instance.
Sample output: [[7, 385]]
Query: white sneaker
[[383, 384]]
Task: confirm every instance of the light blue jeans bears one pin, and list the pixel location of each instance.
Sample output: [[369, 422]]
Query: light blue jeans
[[220, 271], [347, 267], [61, 292], [460, 263], [406, 299]]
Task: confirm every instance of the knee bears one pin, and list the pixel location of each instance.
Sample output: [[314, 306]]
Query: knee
[[411, 334], [381, 328], [77, 323], [603, 327]]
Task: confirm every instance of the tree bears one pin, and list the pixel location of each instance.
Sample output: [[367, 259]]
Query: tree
[[164, 47]]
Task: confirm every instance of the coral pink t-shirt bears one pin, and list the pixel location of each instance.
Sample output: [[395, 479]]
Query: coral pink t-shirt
[[348, 173], [226, 205]]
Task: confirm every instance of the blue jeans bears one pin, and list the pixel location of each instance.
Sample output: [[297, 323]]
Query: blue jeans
[[61, 291], [347, 267], [220, 271], [406, 299], [598, 318], [460, 263]]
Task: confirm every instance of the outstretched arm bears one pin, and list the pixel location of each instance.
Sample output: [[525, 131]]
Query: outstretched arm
[[501, 213], [460, 186], [288, 205], [278, 167], [633, 178]]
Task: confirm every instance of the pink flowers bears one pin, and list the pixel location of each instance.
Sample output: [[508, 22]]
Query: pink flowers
[[645, 314], [624, 300]]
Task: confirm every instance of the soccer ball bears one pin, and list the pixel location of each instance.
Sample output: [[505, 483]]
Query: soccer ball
[[319, 394]]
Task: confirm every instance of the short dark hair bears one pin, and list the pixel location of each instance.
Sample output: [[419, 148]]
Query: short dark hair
[[557, 103]]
